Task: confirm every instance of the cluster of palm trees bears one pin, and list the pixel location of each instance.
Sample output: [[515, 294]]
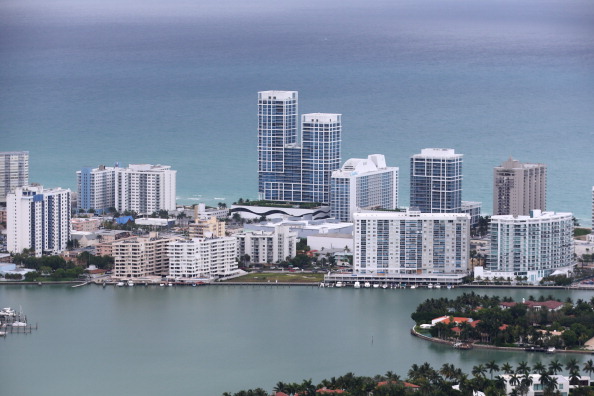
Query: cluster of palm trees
[[446, 381], [521, 380]]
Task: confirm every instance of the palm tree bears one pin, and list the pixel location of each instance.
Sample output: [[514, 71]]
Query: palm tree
[[492, 366], [448, 370], [540, 368], [507, 368], [572, 365], [574, 377], [479, 371], [280, 387], [514, 380], [523, 368], [589, 367], [555, 367], [551, 388]]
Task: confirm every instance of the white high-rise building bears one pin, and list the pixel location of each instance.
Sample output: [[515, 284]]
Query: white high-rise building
[[436, 181], [363, 184], [143, 188], [14, 171], [411, 243], [519, 188], [531, 246], [38, 219], [267, 247], [203, 258]]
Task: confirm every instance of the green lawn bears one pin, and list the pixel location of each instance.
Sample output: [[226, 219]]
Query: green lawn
[[281, 277]]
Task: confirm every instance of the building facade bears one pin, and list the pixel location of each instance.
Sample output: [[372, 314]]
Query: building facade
[[267, 247], [14, 171], [531, 246], [473, 209], [436, 181], [363, 184], [38, 219], [411, 243], [141, 256], [206, 227], [519, 188], [290, 169], [203, 258], [142, 188]]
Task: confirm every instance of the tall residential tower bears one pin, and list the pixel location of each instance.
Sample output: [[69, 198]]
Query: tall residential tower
[[38, 219], [519, 188], [289, 169], [14, 171], [436, 181]]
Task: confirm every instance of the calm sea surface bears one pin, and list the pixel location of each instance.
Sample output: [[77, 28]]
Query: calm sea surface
[[208, 340], [95, 82]]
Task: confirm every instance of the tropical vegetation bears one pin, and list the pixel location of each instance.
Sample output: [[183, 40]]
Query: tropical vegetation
[[490, 378], [515, 325]]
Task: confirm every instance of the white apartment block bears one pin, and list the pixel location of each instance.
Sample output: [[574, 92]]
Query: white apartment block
[[14, 171], [531, 246], [142, 188], [38, 219], [267, 247], [363, 184], [141, 256], [519, 188], [411, 242], [203, 258]]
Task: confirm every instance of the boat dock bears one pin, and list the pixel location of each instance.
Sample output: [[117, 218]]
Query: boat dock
[[12, 321]]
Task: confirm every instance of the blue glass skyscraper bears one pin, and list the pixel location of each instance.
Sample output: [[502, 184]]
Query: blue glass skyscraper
[[436, 181], [288, 170]]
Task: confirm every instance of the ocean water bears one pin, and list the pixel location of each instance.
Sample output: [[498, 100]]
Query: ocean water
[[95, 82]]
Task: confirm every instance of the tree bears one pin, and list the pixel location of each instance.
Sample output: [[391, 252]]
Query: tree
[[479, 371], [555, 367], [523, 368], [507, 368], [589, 367], [492, 366]]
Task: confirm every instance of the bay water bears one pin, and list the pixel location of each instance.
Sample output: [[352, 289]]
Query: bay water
[[212, 339]]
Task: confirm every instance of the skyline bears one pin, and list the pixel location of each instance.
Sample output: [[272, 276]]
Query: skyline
[[87, 86]]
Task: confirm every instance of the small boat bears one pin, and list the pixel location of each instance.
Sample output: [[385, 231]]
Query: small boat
[[437, 286], [357, 285], [462, 345], [120, 284], [17, 323], [551, 350], [413, 287], [170, 284], [161, 284], [322, 284], [449, 287], [367, 284], [385, 286], [339, 284], [376, 285], [130, 283], [430, 285]]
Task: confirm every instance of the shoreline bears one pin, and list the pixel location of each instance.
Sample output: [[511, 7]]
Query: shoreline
[[316, 284], [482, 346]]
